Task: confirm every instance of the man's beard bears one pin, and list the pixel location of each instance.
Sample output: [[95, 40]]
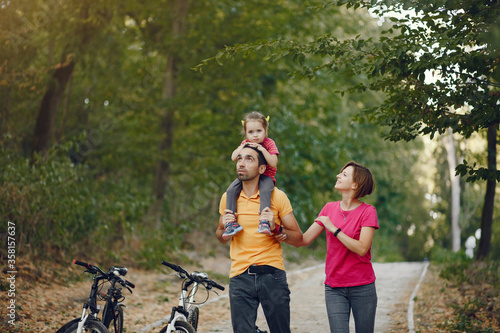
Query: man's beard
[[246, 177]]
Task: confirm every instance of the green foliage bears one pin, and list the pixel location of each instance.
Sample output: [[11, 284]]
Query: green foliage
[[110, 124], [448, 42], [466, 320], [479, 282], [460, 270], [62, 209]]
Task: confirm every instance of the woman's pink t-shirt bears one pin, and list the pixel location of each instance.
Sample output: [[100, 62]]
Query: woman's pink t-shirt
[[345, 268]]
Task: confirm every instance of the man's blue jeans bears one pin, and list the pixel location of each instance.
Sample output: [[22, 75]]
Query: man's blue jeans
[[247, 291], [361, 299]]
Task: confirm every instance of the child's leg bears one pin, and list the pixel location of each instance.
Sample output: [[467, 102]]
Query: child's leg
[[232, 194], [266, 188]]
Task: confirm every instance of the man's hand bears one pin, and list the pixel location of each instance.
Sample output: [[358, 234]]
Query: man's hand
[[267, 214], [223, 220], [228, 216]]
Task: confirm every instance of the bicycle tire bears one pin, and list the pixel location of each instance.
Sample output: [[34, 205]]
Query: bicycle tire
[[180, 327], [194, 314], [116, 324], [67, 325], [91, 326]]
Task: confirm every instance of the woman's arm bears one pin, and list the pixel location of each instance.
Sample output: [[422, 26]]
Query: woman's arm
[[360, 246], [292, 238], [311, 234]]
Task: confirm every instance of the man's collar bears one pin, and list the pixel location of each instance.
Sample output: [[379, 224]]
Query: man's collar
[[252, 196]]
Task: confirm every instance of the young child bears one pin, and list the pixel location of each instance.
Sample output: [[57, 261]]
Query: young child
[[255, 128]]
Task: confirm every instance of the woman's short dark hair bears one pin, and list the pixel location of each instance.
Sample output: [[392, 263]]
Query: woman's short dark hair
[[363, 177]]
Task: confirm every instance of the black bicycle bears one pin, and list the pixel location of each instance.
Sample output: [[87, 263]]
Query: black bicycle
[[112, 315]]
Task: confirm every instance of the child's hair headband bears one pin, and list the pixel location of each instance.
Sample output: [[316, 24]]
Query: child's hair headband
[[243, 122]]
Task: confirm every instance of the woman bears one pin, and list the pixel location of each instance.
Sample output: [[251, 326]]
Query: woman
[[350, 225]]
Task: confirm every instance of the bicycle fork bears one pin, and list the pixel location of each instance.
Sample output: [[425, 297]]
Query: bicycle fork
[[179, 312], [82, 321]]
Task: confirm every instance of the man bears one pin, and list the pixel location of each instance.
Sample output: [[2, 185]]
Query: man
[[257, 270]]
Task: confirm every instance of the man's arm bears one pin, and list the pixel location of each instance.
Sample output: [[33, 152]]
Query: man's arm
[[292, 230]]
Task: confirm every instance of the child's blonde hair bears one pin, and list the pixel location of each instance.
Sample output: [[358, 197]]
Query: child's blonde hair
[[254, 116]]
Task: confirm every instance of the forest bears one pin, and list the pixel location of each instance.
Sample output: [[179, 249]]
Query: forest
[[118, 119]]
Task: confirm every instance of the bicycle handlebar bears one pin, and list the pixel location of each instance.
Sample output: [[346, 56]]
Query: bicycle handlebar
[[110, 275], [91, 268], [81, 263], [216, 285], [179, 269], [176, 268], [130, 284]]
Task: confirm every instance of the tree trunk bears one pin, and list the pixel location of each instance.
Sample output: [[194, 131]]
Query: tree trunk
[[489, 198], [5, 109], [45, 123], [449, 144], [162, 174]]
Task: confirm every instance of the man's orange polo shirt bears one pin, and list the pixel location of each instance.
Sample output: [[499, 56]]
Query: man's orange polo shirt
[[248, 247]]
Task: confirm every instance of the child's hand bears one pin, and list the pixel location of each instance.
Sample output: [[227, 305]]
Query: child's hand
[[253, 144]]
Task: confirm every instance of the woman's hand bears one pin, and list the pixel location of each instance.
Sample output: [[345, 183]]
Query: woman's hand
[[280, 237], [327, 223]]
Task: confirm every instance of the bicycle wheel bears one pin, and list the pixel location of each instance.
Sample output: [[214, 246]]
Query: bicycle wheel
[[67, 325], [180, 327], [91, 326], [116, 324], [194, 314]]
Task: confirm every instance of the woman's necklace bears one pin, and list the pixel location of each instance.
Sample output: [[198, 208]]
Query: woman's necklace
[[342, 212]]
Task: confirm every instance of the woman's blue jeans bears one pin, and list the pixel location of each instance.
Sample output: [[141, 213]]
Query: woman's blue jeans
[[247, 291], [361, 299]]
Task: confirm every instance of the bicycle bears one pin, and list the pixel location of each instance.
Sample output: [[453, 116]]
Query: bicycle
[[184, 317], [112, 315]]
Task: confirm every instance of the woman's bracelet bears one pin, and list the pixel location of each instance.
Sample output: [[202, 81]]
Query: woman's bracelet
[[336, 232]]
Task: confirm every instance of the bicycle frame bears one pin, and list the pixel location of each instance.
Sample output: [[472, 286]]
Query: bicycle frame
[[112, 303], [91, 309], [91, 304], [181, 312], [185, 315]]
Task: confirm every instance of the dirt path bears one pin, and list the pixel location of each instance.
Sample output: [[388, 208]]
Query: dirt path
[[45, 308]]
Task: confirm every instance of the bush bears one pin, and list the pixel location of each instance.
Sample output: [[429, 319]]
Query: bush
[[62, 210]]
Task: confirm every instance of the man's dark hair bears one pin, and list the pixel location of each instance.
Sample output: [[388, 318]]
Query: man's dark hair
[[262, 159]]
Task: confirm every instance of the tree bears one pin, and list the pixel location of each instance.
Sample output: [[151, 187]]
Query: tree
[[449, 144], [113, 113], [449, 42], [177, 17]]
